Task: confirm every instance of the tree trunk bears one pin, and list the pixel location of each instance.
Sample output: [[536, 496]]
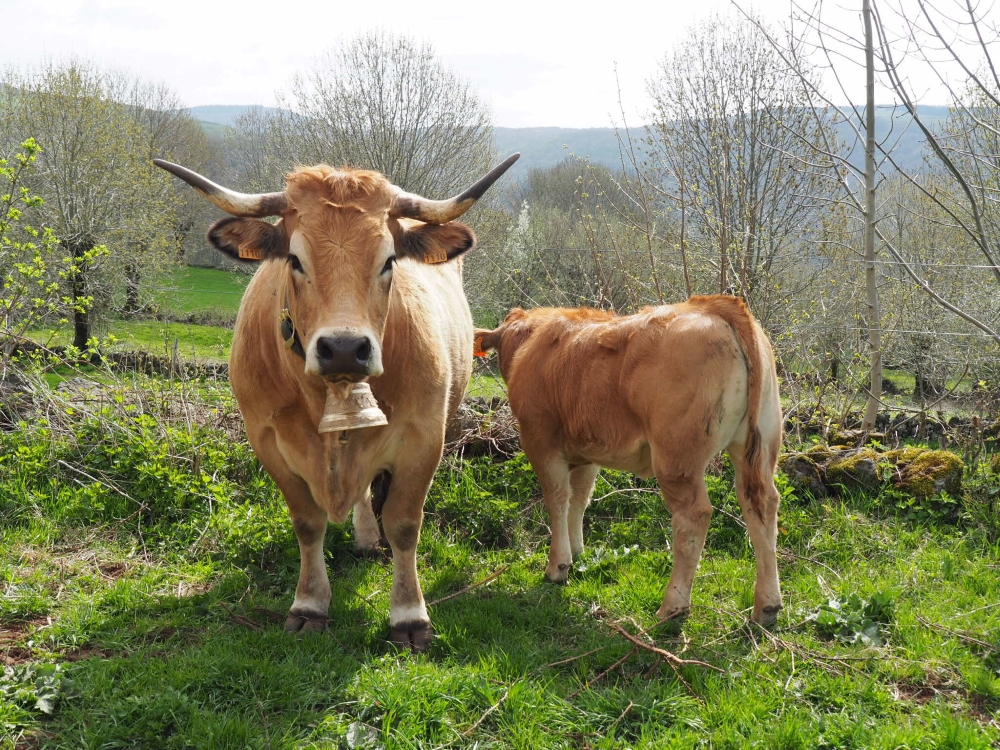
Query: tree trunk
[[131, 288], [78, 293], [871, 278]]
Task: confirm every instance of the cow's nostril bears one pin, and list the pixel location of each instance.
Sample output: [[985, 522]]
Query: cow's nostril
[[364, 351], [323, 350]]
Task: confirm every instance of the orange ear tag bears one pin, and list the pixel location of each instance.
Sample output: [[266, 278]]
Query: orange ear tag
[[248, 252], [435, 256], [477, 348]]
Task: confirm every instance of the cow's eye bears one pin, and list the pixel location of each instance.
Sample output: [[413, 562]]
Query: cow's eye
[[295, 263], [387, 268]]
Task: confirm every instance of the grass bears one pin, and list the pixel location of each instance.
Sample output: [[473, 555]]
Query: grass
[[187, 290], [146, 564], [200, 342]]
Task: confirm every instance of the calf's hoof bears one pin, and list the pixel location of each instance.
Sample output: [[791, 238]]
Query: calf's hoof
[[766, 616], [302, 621], [673, 613], [416, 635]]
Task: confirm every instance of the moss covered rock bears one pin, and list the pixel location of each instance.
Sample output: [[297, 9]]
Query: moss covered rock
[[927, 473], [854, 470], [995, 464], [804, 473]]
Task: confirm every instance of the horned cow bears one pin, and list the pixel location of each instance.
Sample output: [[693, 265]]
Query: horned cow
[[658, 393], [358, 280]]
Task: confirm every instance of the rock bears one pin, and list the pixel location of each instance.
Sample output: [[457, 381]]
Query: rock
[[925, 473], [846, 437], [854, 470], [995, 464], [804, 473], [16, 399]]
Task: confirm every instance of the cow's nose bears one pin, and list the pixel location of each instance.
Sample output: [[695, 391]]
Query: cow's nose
[[343, 355]]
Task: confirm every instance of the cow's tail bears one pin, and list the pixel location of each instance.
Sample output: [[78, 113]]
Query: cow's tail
[[736, 314]]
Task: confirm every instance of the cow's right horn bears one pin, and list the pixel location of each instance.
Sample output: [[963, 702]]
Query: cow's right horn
[[412, 206], [238, 204]]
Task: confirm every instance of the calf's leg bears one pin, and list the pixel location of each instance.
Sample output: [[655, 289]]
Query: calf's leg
[[759, 498], [691, 511], [581, 482], [553, 475]]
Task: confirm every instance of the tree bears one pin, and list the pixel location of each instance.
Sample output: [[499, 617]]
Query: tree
[[951, 198], [730, 127], [376, 101], [95, 172]]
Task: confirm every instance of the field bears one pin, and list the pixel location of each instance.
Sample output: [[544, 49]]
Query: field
[[147, 562]]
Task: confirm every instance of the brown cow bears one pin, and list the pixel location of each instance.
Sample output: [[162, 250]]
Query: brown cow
[[659, 393], [353, 284]]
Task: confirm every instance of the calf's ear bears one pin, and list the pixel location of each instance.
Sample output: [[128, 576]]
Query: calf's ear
[[485, 341], [435, 243], [248, 240]]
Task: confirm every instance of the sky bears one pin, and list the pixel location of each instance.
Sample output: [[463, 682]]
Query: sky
[[539, 63]]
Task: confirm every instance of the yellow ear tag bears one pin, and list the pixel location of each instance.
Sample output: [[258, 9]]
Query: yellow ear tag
[[477, 347], [435, 256], [250, 252]]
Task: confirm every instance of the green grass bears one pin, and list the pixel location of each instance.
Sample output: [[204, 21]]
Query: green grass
[[187, 289], [145, 558], [193, 341]]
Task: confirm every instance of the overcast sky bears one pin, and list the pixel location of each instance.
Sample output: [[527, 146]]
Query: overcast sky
[[537, 63]]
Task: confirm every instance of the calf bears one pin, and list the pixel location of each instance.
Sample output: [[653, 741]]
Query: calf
[[658, 393]]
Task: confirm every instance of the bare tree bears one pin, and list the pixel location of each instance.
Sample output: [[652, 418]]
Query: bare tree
[[731, 128], [376, 101]]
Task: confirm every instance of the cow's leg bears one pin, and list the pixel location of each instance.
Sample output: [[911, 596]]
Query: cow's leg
[[311, 607], [366, 531], [690, 509], [581, 483], [402, 516], [759, 498]]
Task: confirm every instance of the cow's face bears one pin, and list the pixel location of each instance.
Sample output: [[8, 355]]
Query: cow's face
[[340, 234], [339, 246]]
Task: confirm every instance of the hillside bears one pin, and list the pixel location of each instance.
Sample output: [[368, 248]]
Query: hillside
[[542, 147]]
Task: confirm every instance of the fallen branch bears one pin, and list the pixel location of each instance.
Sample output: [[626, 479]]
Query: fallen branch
[[958, 634], [489, 579], [601, 676], [489, 710], [240, 619], [670, 657]]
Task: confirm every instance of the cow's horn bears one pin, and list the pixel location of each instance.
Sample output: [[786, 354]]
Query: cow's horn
[[413, 206], [238, 204]]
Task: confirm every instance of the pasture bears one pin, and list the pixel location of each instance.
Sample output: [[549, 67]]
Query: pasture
[[147, 563]]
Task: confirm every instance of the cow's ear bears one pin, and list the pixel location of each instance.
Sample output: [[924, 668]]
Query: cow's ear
[[248, 240], [436, 243]]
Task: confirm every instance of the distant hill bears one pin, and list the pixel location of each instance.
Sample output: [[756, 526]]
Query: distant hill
[[224, 114], [546, 146]]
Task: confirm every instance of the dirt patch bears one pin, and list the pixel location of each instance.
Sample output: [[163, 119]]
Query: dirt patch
[[12, 638]]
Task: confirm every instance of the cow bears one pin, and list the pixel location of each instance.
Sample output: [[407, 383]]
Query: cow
[[358, 281], [659, 393]]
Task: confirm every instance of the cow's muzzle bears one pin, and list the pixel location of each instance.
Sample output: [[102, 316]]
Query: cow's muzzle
[[344, 356]]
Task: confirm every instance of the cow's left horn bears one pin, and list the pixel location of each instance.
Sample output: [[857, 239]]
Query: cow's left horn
[[411, 206], [238, 204]]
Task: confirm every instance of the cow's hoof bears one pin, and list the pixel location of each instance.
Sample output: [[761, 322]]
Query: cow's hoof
[[767, 615], [302, 621], [416, 635], [559, 574]]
